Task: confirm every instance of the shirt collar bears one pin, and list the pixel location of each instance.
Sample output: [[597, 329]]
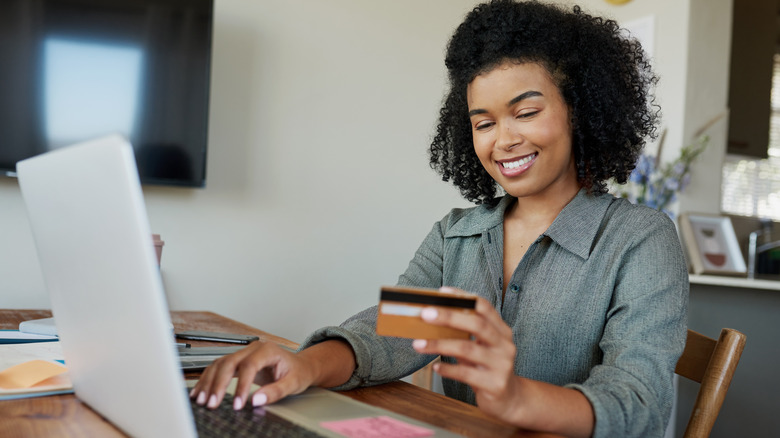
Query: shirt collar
[[574, 229], [480, 219], [577, 224]]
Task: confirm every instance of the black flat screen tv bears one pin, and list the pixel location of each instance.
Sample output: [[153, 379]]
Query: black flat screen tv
[[73, 70]]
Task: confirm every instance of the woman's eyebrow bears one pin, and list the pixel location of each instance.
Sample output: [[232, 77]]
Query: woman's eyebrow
[[523, 96], [514, 100]]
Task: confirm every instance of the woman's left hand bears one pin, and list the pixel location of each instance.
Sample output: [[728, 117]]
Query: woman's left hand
[[486, 362]]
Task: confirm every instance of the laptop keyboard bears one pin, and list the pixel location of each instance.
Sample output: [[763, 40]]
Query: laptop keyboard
[[226, 422]]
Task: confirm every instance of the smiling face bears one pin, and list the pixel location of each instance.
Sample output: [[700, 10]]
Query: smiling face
[[521, 130]]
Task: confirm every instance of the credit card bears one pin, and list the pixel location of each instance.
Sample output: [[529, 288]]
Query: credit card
[[400, 307]]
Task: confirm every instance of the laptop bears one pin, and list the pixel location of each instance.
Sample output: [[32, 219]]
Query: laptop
[[92, 235]]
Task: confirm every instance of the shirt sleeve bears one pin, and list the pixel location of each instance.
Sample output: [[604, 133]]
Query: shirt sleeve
[[632, 390], [382, 359]]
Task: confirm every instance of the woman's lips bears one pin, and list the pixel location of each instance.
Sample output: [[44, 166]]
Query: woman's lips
[[516, 166]]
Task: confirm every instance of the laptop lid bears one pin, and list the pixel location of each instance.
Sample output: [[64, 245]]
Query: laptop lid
[[95, 249]]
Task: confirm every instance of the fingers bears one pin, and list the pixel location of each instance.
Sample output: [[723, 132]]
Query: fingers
[[210, 389], [245, 364], [485, 323], [483, 367], [468, 353], [485, 382], [476, 361], [277, 390], [246, 376], [486, 361]]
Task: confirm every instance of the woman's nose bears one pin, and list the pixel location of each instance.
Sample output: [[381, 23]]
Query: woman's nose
[[508, 136]]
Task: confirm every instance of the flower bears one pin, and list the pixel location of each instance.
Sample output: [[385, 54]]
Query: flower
[[657, 186]]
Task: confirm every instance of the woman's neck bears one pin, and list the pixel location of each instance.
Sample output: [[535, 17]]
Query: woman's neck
[[540, 211]]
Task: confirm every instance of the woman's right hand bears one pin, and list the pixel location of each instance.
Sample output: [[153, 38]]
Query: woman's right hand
[[279, 372]]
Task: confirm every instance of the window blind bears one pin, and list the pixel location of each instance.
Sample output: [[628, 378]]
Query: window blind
[[752, 187]]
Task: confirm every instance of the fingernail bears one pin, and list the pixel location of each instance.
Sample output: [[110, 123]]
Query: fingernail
[[447, 289], [237, 405], [201, 398], [259, 399], [212, 401], [419, 343], [429, 314], [192, 392]]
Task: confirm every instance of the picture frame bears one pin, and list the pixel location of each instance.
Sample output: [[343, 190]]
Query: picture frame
[[712, 244]]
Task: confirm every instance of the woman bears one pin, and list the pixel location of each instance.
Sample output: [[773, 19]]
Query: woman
[[582, 297]]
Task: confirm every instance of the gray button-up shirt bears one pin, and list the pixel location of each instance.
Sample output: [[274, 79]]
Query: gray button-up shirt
[[598, 303]]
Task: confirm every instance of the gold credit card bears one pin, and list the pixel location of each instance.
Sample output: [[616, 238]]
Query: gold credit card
[[400, 307]]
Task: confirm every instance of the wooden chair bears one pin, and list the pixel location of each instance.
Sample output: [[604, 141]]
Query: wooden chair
[[424, 376], [712, 364], [706, 361]]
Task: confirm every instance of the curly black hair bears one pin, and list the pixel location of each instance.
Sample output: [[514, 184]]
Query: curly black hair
[[603, 76]]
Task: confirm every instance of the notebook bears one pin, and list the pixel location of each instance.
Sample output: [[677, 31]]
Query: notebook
[[91, 231]]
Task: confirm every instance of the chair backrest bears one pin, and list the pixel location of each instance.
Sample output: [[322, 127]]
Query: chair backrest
[[712, 364]]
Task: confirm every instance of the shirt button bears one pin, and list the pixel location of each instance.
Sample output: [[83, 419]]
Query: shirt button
[[514, 288]]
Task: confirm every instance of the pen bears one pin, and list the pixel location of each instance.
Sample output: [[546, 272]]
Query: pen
[[183, 345]]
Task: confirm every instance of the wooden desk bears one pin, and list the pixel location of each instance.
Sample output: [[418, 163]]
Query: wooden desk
[[67, 416]]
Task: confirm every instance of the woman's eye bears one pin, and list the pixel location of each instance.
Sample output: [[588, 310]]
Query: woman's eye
[[483, 126], [526, 114]]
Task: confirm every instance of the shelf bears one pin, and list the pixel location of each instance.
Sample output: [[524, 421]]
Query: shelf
[[716, 280]]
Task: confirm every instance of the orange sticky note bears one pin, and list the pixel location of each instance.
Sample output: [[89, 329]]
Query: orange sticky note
[[28, 374], [376, 427]]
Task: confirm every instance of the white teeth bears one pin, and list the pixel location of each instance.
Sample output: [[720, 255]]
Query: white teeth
[[518, 163]]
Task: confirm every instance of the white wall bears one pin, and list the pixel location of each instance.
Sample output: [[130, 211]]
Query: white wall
[[706, 100], [319, 190]]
